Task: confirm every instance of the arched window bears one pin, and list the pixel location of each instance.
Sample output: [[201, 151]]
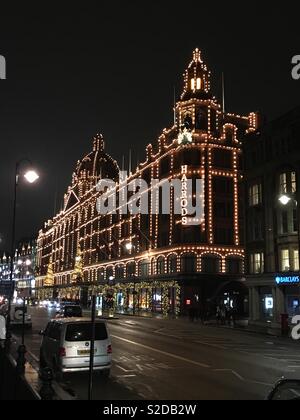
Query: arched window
[[152, 266], [120, 272], [161, 266], [211, 264], [188, 263], [100, 275], [229, 133], [144, 268], [188, 122], [109, 273], [201, 119], [131, 269], [234, 265], [172, 264]]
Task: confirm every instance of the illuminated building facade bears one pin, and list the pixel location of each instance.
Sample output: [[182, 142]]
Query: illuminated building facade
[[169, 266], [4, 274], [24, 270], [25, 262]]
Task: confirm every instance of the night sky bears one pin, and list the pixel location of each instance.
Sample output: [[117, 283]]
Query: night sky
[[112, 69]]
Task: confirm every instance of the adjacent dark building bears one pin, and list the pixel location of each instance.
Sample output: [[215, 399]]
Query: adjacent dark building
[[272, 175]]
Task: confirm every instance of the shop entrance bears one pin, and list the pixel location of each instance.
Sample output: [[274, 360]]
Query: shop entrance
[[234, 295], [292, 300]]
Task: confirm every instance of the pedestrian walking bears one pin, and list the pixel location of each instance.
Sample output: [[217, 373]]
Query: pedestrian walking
[[223, 315], [192, 314], [218, 314]]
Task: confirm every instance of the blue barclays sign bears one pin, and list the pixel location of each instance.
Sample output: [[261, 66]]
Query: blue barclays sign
[[287, 280]]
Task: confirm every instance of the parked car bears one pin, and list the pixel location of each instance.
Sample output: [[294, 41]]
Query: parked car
[[285, 390], [66, 346], [70, 311]]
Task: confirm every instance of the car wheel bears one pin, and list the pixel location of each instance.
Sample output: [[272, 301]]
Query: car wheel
[[59, 376]]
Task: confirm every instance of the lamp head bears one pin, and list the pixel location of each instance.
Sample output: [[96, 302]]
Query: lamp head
[[284, 199], [31, 176]]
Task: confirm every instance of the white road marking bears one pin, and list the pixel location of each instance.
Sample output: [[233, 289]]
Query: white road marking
[[33, 356], [126, 376], [261, 383], [286, 356], [169, 335], [174, 356], [233, 372], [123, 369], [216, 346]]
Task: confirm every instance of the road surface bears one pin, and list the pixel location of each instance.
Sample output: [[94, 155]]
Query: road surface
[[157, 359]]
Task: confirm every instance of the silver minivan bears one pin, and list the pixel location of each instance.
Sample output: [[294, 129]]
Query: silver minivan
[[66, 346]]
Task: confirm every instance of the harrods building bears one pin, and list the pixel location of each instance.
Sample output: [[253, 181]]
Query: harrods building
[[156, 263]]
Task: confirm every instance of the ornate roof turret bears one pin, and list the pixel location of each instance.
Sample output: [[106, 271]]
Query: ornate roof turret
[[97, 164], [196, 79]]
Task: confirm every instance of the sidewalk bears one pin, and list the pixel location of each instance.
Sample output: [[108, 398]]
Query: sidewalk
[[184, 321]]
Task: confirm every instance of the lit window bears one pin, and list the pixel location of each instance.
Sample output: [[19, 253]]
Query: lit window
[[193, 84], [198, 83], [257, 263], [296, 259], [294, 182], [285, 260], [255, 195], [283, 184], [288, 183], [295, 220]]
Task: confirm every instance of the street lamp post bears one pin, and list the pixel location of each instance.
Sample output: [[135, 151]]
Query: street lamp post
[[284, 200], [31, 177]]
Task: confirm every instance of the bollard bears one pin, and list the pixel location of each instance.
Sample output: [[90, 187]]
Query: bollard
[[47, 392], [284, 325], [21, 360]]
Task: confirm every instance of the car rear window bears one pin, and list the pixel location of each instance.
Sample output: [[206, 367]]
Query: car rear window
[[83, 332], [73, 311]]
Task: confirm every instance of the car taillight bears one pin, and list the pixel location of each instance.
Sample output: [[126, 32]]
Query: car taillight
[[109, 349], [62, 352]]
